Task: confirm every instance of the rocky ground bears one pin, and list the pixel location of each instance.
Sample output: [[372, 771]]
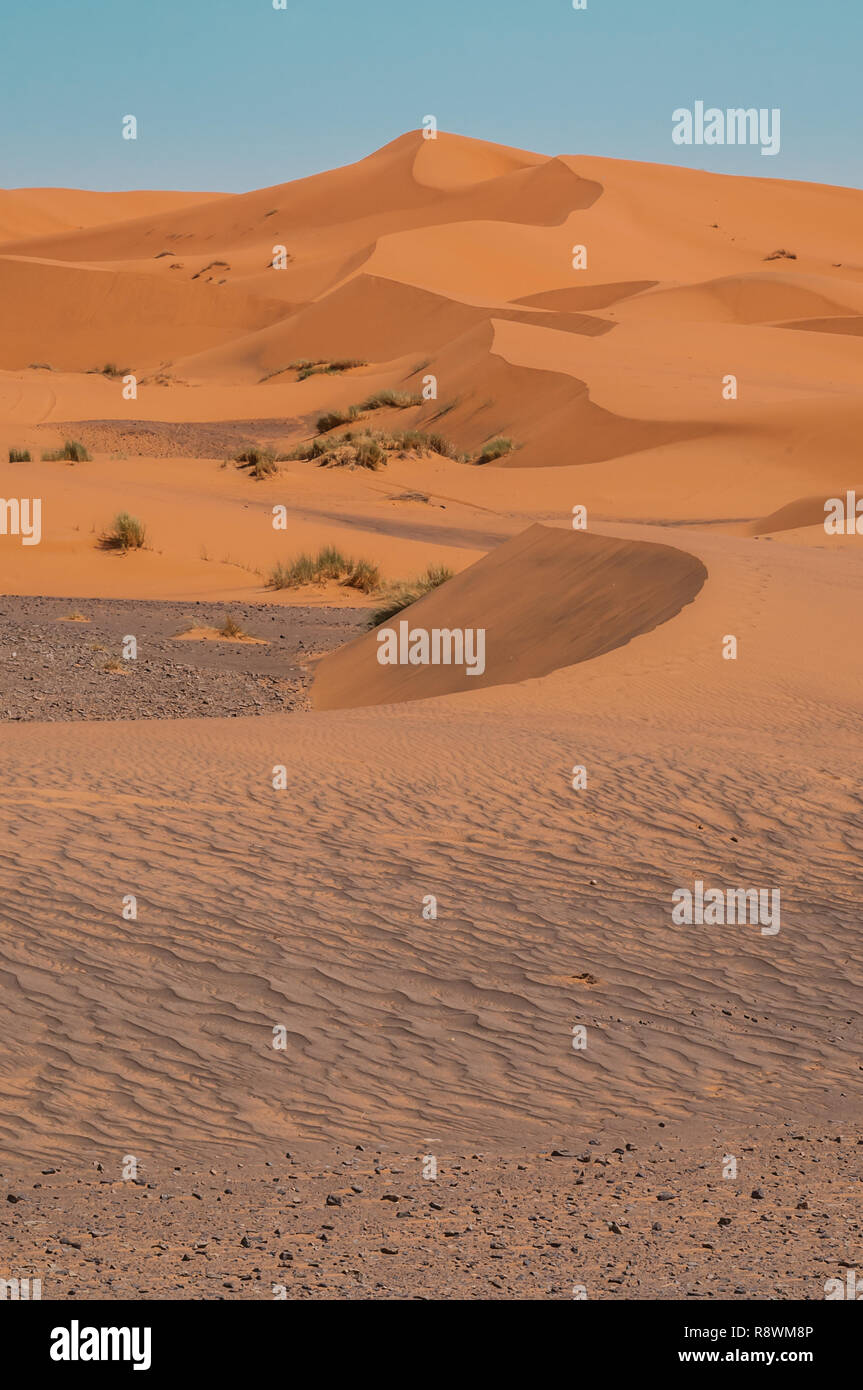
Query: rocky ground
[[611, 1220], [202, 439], [62, 659]]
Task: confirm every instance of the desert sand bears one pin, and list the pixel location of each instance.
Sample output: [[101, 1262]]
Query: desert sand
[[299, 906]]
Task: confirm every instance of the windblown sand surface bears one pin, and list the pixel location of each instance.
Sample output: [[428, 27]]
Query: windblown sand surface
[[301, 907]]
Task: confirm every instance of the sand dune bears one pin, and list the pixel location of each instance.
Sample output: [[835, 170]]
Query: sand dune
[[107, 317], [27, 213], [761, 298], [545, 599], [443, 270]]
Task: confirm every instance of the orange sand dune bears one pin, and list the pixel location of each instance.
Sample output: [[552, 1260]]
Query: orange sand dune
[[77, 318], [27, 213], [765, 297], [545, 599], [806, 511], [303, 909]]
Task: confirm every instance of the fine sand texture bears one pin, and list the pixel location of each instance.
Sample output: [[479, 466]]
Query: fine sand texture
[[269, 898]]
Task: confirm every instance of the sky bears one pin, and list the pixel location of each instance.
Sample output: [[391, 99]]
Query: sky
[[231, 95]]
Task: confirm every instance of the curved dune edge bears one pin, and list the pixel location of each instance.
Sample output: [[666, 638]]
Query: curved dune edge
[[802, 512], [546, 599]]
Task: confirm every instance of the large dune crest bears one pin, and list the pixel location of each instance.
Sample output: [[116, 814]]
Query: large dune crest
[[544, 600]]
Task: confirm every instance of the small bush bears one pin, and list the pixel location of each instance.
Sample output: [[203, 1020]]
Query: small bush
[[261, 463], [345, 364], [71, 452], [305, 367], [315, 448], [334, 418], [390, 400], [368, 448], [292, 576], [404, 594], [19, 456], [231, 628], [424, 443], [127, 533], [495, 449], [329, 563], [354, 451], [364, 576]]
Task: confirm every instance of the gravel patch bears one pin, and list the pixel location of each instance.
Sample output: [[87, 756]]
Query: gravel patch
[[54, 669]]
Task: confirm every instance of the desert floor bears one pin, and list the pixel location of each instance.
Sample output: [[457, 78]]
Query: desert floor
[[299, 906]]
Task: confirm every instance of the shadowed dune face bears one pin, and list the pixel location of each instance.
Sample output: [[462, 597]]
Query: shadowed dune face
[[577, 298], [545, 599]]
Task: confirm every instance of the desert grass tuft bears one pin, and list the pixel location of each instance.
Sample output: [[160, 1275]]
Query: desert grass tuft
[[390, 400], [403, 595], [19, 456], [369, 448], [495, 449], [231, 628], [261, 463], [334, 418], [126, 533], [71, 452], [324, 366], [328, 563], [421, 442], [364, 576]]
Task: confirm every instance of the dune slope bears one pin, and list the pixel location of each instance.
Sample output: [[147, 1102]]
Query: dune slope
[[544, 599]]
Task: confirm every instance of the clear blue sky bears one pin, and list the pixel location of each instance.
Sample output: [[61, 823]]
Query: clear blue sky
[[232, 94]]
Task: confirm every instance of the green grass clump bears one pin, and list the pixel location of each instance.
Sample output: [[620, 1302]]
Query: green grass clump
[[364, 576], [71, 452], [334, 418], [368, 448], [495, 449], [127, 533], [353, 449], [261, 463], [404, 594], [110, 369], [424, 443], [390, 400], [19, 455], [329, 563], [323, 366]]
